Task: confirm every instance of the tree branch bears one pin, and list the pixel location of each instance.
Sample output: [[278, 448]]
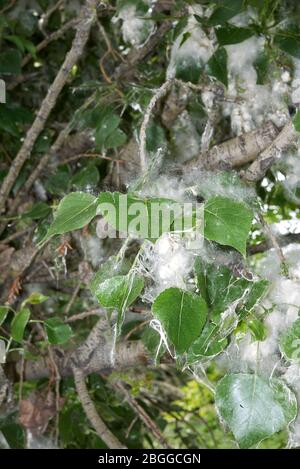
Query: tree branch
[[266, 245], [142, 415], [87, 17], [236, 151], [259, 167], [52, 37], [91, 412], [127, 355]]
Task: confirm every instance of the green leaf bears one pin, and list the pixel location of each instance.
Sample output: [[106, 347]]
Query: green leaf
[[59, 182], [257, 291], [227, 222], [38, 211], [184, 38], [110, 268], [201, 278], [57, 331], [116, 139], [188, 69], [182, 315], [107, 134], [261, 65], [19, 323], [288, 43], [230, 34], [10, 62], [22, 44], [120, 291], [217, 66], [3, 313], [35, 298], [86, 177], [223, 287], [253, 407], [12, 117], [130, 214], [290, 342], [296, 121], [208, 345], [225, 11], [152, 341], [258, 329], [74, 212]]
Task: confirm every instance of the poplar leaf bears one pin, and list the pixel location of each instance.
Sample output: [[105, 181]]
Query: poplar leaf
[[182, 315]]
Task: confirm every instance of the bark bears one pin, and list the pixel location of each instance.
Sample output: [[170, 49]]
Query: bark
[[91, 412], [284, 139], [237, 151], [127, 355], [3, 385], [282, 241]]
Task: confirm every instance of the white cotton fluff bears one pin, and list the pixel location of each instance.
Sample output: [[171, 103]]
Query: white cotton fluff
[[292, 378], [260, 102], [185, 138], [93, 249], [2, 351], [3, 442], [196, 49], [39, 441], [167, 264], [269, 268], [165, 186], [296, 82], [135, 29], [245, 355], [291, 182], [283, 302], [212, 183]]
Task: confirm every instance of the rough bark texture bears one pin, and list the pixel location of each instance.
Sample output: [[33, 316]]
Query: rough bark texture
[[284, 139], [91, 412], [127, 354], [237, 151]]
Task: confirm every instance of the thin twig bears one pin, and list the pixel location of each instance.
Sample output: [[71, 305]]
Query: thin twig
[[160, 93], [136, 328], [16, 235], [52, 37], [88, 155], [91, 412], [81, 37], [73, 298], [86, 314], [57, 393], [46, 16], [142, 414], [269, 233], [7, 7]]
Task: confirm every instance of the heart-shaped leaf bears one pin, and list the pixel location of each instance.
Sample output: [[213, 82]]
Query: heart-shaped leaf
[[253, 407], [182, 315], [57, 331], [227, 222], [74, 212], [120, 291]]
